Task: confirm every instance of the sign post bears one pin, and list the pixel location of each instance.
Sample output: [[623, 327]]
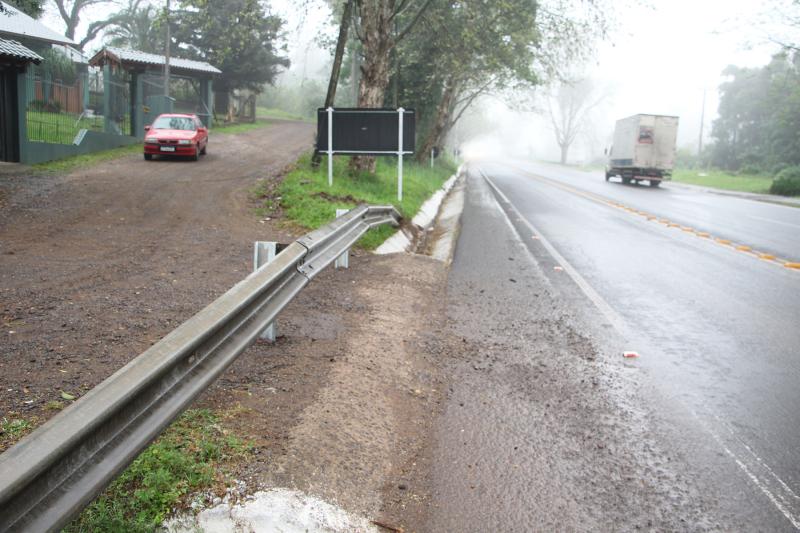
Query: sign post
[[400, 112], [330, 147]]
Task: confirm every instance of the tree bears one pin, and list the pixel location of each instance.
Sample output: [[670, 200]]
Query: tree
[[70, 12], [568, 109], [379, 30], [759, 116], [33, 8], [136, 27], [467, 49], [470, 48], [237, 36]]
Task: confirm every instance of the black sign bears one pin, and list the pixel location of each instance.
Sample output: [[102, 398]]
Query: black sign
[[366, 131]]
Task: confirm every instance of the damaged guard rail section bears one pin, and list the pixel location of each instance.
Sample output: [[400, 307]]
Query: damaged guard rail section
[[52, 474]]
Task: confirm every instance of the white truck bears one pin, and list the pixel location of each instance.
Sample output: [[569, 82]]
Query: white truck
[[643, 149]]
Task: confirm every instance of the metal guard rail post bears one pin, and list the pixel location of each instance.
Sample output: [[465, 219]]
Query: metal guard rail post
[[52, 474]]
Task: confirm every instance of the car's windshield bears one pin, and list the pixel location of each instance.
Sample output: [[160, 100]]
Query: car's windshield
[[174, 123]]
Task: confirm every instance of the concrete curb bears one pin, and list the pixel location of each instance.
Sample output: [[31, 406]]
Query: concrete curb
[[401, 241]]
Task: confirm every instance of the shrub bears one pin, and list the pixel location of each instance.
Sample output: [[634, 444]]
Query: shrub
[[787, 182], [750, 170], [45, 106]]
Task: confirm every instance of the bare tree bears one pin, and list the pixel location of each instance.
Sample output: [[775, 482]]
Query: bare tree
[[568, 110], [71, 10]]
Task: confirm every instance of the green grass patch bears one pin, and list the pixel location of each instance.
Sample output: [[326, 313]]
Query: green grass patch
[[70, 163], [59, 128], [272, 112], [13, 427], [308, 201], [242, 126], [717, 179], [188, 457]]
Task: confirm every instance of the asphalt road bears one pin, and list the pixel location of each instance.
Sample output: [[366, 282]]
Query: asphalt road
[[714, 393]]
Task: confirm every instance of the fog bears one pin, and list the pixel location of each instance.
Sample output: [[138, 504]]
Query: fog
[[658, 58]]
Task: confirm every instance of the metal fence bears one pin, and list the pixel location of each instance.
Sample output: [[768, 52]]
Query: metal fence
[[57, 110], [49, 476]]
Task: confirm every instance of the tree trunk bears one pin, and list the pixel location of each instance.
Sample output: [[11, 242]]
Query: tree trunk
[[564, 150], [337, 65], [377, 42], [439, 127]]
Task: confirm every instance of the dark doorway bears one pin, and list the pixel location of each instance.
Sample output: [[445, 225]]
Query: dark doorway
[[9, 115]]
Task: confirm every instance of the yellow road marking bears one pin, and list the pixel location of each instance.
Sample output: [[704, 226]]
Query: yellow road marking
[[702, 234]]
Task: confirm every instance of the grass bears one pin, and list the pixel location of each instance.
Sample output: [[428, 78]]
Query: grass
[[70, 163], [190, 456], [13, 428], [241, 127], [59, 128], [271, 112], [717, 179], [307, 201]]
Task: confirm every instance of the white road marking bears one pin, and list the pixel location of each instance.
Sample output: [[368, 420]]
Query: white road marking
[[775, 221], [608, 312], [780, 496]]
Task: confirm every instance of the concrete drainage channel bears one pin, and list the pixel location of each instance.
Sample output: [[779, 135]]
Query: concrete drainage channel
[[445, 207]]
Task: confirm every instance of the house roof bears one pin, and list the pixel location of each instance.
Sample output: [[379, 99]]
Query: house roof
[[17, 24], [134, 56], [17, 51]]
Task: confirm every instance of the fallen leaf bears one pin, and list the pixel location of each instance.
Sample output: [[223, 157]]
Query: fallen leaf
[[67, 396]]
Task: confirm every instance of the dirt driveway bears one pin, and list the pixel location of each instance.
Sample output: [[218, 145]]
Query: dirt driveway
[[98, 264]]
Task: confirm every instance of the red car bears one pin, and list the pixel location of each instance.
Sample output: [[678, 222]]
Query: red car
[[174, 134]]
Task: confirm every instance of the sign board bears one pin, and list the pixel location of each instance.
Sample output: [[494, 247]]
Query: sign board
[[363, 131]]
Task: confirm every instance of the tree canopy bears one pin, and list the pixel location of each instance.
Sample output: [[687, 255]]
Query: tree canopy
[[239, 37], [33, 8], [759, 116]]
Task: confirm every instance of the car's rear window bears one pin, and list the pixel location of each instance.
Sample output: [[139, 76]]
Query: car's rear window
[[174, 123]]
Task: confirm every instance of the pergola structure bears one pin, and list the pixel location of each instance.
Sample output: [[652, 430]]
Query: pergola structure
[[146, 75]]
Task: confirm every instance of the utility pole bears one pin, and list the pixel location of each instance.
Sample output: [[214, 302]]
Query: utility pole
[[166, 58], [702, 121]]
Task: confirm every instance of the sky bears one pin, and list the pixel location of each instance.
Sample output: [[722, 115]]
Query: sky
[[659, 58]]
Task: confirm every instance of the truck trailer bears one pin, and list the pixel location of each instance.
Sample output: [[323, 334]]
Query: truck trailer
[[643, 149]]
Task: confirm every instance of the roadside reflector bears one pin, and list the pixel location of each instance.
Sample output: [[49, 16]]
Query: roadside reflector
[[630, 355]]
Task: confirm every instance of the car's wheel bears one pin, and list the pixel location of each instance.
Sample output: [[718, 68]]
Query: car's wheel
[[148, 157]]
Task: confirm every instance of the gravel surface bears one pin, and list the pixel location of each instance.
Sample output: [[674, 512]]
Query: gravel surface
[[98, 264]]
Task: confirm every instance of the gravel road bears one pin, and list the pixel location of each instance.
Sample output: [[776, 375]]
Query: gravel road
[[97, 264]]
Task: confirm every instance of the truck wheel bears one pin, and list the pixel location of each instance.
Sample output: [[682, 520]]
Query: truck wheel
[[655, 183], [626, 181], [607, 176]]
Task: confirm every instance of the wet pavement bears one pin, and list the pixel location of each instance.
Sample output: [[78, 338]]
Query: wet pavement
[[548, 427]]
